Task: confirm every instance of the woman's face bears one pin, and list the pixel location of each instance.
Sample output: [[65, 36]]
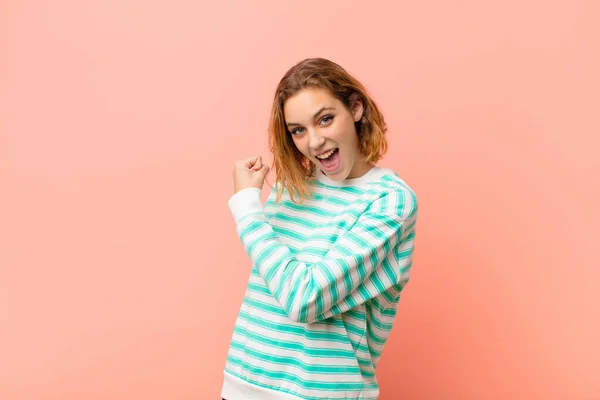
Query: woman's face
[[322, 128]]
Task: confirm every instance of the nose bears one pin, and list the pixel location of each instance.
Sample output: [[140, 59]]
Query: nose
[[315, 140]]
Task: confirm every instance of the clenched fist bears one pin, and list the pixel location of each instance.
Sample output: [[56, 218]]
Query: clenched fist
[[248, 173]]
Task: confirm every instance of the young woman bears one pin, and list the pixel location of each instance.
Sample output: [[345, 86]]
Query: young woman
[[331, 249]]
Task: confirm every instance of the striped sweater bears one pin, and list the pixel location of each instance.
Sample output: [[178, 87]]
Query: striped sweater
[[324, 287]]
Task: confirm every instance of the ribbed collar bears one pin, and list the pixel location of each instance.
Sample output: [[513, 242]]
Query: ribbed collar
[[371, 175]]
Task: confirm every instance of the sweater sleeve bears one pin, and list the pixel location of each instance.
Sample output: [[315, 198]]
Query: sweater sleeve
[[365, 261]]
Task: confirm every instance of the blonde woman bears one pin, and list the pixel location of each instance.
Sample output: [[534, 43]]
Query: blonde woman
[[331, 250]]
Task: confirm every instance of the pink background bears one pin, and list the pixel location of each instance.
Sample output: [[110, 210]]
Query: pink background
[[120, 270]]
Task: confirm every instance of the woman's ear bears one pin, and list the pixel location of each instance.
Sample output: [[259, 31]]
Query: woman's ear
[[357, 109]]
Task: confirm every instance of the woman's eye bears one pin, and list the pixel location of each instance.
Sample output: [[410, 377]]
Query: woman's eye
[[327, 118]]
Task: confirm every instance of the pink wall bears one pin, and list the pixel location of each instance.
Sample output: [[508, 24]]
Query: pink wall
[[120, 270]]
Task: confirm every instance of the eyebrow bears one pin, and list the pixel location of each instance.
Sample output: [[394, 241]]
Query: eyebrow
[[314, 116]]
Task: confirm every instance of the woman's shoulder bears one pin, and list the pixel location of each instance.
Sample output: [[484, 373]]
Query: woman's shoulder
[[390, 181], [393, 193]]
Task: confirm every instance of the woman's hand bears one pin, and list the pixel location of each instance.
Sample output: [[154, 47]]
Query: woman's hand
[[248, 173]]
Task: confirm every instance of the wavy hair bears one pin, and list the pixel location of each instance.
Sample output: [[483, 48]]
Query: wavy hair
[[291, 166]]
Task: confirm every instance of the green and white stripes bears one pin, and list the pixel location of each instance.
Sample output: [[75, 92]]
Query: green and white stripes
[[325, 284]]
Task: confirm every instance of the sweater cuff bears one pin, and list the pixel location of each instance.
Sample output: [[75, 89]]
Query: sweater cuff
[[245, 202]]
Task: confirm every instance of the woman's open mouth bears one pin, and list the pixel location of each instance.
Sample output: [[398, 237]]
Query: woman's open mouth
[[332, 162]]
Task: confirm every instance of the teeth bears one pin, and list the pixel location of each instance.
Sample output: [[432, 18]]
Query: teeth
[[326, 154]]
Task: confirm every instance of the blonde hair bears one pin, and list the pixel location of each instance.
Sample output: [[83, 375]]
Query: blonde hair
[[292, 167]]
